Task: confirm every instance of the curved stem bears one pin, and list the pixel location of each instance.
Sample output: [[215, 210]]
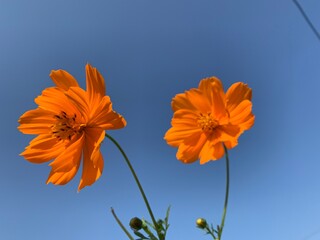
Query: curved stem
[[121, 225], [138, 183], [305, 16], [227, 194]]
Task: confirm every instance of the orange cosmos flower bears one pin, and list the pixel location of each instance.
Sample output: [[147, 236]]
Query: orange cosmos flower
[[206, 118], [71, 124]]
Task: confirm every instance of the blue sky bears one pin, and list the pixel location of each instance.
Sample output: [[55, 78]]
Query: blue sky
[[148, 51]]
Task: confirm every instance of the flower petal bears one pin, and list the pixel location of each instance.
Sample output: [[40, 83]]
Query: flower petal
[[80, 99], [95, 85], [54, 100], [63, 79], [62, 178], [242, 116], [193, 100], [92, 160], [228, 133], [211, 152], [94, 137], [43, 148], [213, 90], [91, 173], [188, 151], [36, 121], [104, 117], [236, 94], [206, 86], [184, 124], [70, 157]]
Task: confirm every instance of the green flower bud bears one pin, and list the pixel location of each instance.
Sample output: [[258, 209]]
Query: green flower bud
[[201, 223], [135, 224]]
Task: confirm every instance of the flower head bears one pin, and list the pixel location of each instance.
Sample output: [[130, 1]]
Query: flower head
[[201, 223], [136, 223], [206, 117], [70, 123]]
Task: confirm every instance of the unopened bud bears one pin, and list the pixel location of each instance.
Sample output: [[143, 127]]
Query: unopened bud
[[135, 224], [201, 223]]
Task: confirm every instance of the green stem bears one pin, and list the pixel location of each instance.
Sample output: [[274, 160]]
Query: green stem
[[121, 225], [138, 183], [210, 231], [146, 229], [227, 194]]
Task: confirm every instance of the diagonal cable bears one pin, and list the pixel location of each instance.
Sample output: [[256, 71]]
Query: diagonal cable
[[305, 16]]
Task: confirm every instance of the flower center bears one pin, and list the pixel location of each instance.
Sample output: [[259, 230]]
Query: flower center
[[206, 122], [66, 126]]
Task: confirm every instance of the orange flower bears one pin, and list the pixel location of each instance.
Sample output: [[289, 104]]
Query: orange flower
[[206, 118], [71, 124]]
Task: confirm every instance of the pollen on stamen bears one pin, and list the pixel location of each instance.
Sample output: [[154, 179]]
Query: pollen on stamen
[[65, 126], [206, 122]]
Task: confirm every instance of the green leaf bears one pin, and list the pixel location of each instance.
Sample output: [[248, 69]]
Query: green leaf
[[139, 234], [149, 224], [160, 223], [166, 219]]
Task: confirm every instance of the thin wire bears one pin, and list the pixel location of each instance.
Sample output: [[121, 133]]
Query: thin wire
[[305, 16], [311, 235]]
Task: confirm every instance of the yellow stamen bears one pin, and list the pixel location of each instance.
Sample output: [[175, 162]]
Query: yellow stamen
[[66, 126], [206, 122]]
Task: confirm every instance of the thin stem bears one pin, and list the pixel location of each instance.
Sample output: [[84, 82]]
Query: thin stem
[[210, 231], [137, 181], [227, 194], [305, 16], [146, 229], [121, 225]]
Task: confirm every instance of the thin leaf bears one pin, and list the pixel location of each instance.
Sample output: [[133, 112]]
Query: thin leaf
[[139, 234]]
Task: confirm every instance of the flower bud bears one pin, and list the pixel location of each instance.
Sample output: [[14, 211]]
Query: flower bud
[[201, 223], [135, 224]]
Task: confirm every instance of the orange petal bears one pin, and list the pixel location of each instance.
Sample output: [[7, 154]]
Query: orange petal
[[36, 121], [236, 94], [90, 173], [213, 90], [248, 122], [92, 167], [184, 124], [180, 101], [95, 85], [206, 83], [55, 101], [193, 100], [79, 98], [176, 136], [61, 178], [70, 157], [189, 150], [228, 133], [229, 144], [210, 86], [43, 148], [104, 117], [63, 79], [242, 116], [211, 152], [185, 117], [94, 137]]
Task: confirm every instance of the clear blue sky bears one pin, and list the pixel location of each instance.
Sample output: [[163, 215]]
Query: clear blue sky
[[148, 51]]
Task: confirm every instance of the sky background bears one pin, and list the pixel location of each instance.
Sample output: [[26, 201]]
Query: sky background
[[148, 51]]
